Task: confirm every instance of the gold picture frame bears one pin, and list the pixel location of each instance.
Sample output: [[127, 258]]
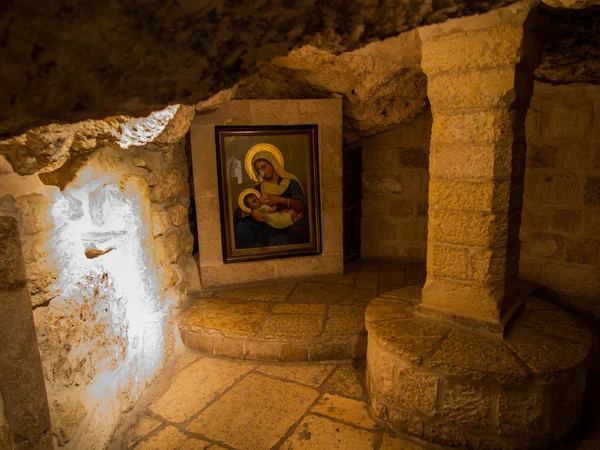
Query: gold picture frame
[[268, 191]]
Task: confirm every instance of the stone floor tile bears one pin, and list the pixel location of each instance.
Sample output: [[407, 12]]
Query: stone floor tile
[[299, 308], [255, 414], [410, 294], [346, 381], [331, 294], [557, 323], [461, 354], [269, 292], [309, 374], [292, 326], [319, 433], [345, 319], [193, 387], [172, 438], [345, 409], [407, 337], [185, 360], [385, 309], [367, 280], [544, 353], [398, 443], [144, 426], [230, 318]]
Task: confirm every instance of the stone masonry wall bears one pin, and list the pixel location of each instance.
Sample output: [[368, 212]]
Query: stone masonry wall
[[395, 189], [560, 230], [108, 265]]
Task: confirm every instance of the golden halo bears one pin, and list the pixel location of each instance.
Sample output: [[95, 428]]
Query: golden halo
[[261, 148], [243, 195]]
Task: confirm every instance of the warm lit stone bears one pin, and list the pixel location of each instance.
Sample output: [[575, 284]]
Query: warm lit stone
[[160, 222], [299, 308], [385, 309], [343, 319], [346, 381], [319, 432], [171, 437], [450, 261], [271, 292], [255, 413], [345, 409], [406, 337], [325, 293], [172, 244], [397, 443], [165, 184], [520, 409], [312, 375], [144, 426], [178, 214], [466, 404], [193, 387], [225, 316], [460, 354], [36, 213], [544, 354], [292, 326], [167, 277]]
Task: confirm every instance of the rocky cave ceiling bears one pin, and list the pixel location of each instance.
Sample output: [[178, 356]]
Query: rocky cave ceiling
[[78, 60]]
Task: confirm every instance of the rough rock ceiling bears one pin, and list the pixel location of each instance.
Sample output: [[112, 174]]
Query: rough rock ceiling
[[73, 60], [572, 51], [381, 84]]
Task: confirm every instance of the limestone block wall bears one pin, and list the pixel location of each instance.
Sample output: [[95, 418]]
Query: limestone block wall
[[108, 265], [560, 230], [395, 190]]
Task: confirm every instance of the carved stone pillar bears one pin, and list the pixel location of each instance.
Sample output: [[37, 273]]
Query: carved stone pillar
[[479, 84]]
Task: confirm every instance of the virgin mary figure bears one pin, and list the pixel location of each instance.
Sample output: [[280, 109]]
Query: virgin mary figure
[[278, 187]]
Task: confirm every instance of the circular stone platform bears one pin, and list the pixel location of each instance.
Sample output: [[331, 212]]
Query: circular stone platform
[[294, 321], [460, 389]]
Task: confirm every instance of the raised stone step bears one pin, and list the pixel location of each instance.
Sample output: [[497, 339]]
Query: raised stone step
[[455, 387], [293, 321]]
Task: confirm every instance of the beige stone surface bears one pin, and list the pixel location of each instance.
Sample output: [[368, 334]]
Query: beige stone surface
[[345, 409], [310, 374], [299, 308], [231, 318], [185, 360], [193, 387], [307, 292], [406, 337], [461, 352], [144, 426], [35, 210], [255, 414], [291, 326], [346, 381], [466, 404], [410, 294], [271, 292], [172, 438], [545, 354], [320, 433], [344, 319], [398, 443], [385, 309]]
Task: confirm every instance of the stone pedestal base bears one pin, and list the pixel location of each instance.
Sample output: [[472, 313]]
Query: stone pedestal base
[[457, 388]]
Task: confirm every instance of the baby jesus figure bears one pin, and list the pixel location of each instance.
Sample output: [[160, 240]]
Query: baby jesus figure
[[274, 218]]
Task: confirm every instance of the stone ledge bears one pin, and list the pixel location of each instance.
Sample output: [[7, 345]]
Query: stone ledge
[[521, 391]]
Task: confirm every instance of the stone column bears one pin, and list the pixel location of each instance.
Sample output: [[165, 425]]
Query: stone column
[[480, 80], [22, 387]]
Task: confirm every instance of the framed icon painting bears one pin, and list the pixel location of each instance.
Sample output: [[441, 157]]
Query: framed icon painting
[[269, 191]]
